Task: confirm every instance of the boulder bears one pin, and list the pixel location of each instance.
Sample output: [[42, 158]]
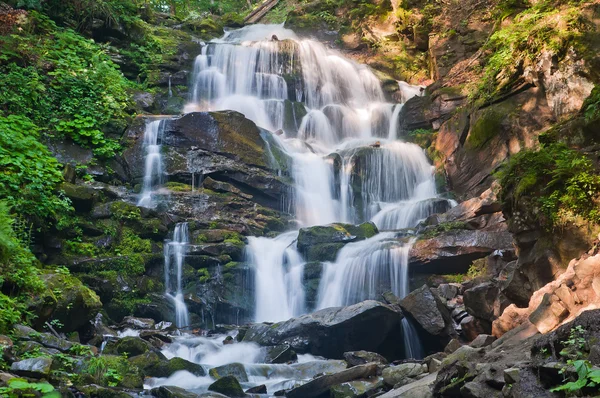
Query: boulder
[[152, 364], [132, 346], [357, 388], [235, 369], [321, 243], [228, 386], [375, 327], [319, 385], [483, 340], [484, 301], [355, 358], [280, 354], [453, 251], [172, 392], [130, 322], [402, 374], [428, 311], [33, 367], [420, 388], [261, 389], [74, 306]]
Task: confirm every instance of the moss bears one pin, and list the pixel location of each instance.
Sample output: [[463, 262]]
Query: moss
[[232, 265], [178, 186], [203, 275], [323, 252], [228, 386], [436, 230], [487, 126], [132, 346], [125, 211]]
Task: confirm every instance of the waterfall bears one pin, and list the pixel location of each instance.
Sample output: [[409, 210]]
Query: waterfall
[[347, 164], [174, 257], [153, 170], [279, 269]]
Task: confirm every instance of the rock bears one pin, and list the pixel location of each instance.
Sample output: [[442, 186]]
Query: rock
[[594, 355], [374, 328], [447, 291], [483, 301], [5, 377], [453, 251], [428, 311], [511, 375], [483, 340], [232, 369], [417, 389], [74, 304], [280, 354], [228, 386], [471, 327], [172, 392], [357, 388], [137, 323], [321, 243], [83, 197], [321, 384], [132, 346], [394, 375], [6, 348], [33, 367], [452, 346], [549, 314], [51, 341], [354, 358], [474, 389], [94, 390], [262, 389], [434, 365]]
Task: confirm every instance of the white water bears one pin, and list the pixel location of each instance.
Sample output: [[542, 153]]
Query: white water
[[348, 116], [174, 256], [153, 170]]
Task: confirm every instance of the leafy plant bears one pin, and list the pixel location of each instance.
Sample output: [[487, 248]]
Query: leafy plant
[[18, 387]]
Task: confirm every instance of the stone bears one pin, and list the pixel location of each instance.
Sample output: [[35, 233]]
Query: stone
[[94, 390], [232, 369], [172, 392], [375, 327], [132, 346], [447, 290], [452, 346], [6, 348], [228, 386], [483, 340], [354, 358], [420, 388], [549, 314], [319, 385], [33, 367], [322, 242], [137, 323], [280, 354], [74, 306], [434, 365], [511, 375], [428, 311], [394, 375], [481, 301], [357, 388], [594, 355], [261, 389], [51, 341], [82, 197], [475, 389], [453, 251]]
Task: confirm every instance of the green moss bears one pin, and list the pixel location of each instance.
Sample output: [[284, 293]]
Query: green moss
[[203, 275], [125, 211], [432, 232], [487, 126], [178, 186]]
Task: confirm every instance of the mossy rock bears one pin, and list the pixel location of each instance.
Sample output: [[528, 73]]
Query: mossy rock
[[335, 233], [233, 369], [485, 127], [75, 306], [132, 346], [323, 252], [96, 391], [206, 28], [164, 368], [228, 386], [83, 197]]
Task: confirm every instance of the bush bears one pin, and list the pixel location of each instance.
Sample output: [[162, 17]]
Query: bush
[[562, 183]]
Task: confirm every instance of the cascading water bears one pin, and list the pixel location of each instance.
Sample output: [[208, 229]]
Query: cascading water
[[153, 172], [347, 163], [174, 256]]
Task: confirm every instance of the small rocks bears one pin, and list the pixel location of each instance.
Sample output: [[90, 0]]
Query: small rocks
[[33, 367], [452, 346]]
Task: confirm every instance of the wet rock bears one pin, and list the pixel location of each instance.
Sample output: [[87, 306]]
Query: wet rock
[[280, 354], [132, 346], [233, 369], [374, 328], [321, 384], [402, 374], [6, 348], [429, 312], [228, 386], [32, 367], [83, 197], [51, 341], [357, 388], [172, 392], [262, 389], [321, 243], [137, 323], [354, 358], [94, 390]]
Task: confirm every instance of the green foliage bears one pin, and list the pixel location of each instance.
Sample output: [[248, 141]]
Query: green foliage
[[19, 276], [562, 183], [485, 127], [29, 175], [107, 370], [18, 387], [65, 84], [542, 26], [587, 377], [591, 106]]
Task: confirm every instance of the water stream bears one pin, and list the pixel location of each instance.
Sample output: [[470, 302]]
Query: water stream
[[174, 255], [153, 170]]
